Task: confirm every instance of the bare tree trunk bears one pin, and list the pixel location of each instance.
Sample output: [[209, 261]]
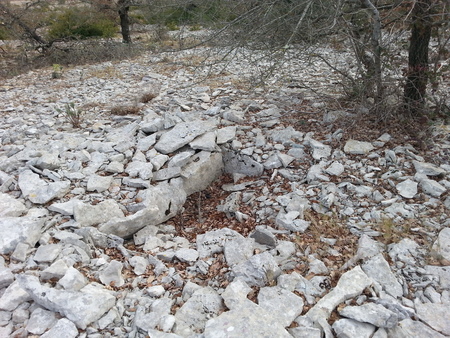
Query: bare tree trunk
[[123, 10], [417, 73], [376, 48]]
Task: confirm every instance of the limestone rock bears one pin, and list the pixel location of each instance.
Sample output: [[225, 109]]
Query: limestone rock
[[435, 315], [284, 305], [407, 188], [10, 206], [14, 230], [214, 241], [193, 315], [39, 191], [379, 270], [259, 270], [371, 313], [348, 328], [245, 320], [354, 147], [88, 215], [82, 307], [182, 134], [441, 247]]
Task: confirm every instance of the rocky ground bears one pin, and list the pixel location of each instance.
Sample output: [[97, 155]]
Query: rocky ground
[[186, 208]]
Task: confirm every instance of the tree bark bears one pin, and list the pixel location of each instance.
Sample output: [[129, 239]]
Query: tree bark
[[417, 72], [123, 10]]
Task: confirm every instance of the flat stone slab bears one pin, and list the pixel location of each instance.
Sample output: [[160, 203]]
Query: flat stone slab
[[246, 319], [40, 191], [182, 134], [81, 307], [354, 147], [14, 230]]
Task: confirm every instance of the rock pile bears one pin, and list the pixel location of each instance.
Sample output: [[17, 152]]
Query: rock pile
[[86, 249]]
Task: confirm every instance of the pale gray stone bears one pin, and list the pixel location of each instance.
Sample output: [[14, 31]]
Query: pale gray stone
[[14, 230], [181, 159], [259, 270], [428, 169], [290, 221], [48, 160], [407, 188], [47, 253], [371, 313], [242, 164], [73, 280], [182, 134], [115, 167], [284, 305], [238, 250], [10, 206], [349, 328], [88, 215], [145, 143], [13, 296], [156, 291], [205, 142], [443, 273], [55, 271], [236, 292], [315, 174], [99, 183], [112, 274], [186, 255], [285, 159], [193, 315], [40, 321], [109, 318], [63, 328], [158, 334], [143, 170], [408, 328], [316, 266], [432, 187], [64, 208], [81, 307], [202, 169], [305, 332], [406, 251], [225, 135], [272, 162], [246, 319], [335, 169], [166, 173], [139, 264], [319, 149], [354, 147], [379, 270], [264, 236], [351, 284], [234, 116], [136, 182], [441, 247], [6, 277], [40, 191], [435, 315], [158, 161], [213, 241], [20, 252], [161, 202], [21, 314]]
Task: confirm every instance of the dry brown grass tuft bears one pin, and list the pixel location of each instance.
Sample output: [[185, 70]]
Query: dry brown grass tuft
[[125, 110]]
